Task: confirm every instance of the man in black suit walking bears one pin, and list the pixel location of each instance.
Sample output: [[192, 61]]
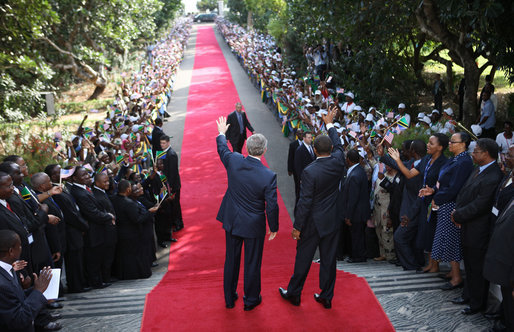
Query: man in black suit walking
[[236, 132], [355, 205], [303, 156], [173, 176], [473, 212], [290, 161], [316, 221], [250, 197], [98, 221]]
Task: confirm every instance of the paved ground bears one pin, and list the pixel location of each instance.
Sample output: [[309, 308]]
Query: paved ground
[[412, 302]]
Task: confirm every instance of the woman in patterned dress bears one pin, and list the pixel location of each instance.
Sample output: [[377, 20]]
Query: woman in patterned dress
[[447, 241]]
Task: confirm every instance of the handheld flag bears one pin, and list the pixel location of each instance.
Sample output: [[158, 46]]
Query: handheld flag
[[119, 159], [389, 137], [25, 194], [160, 155], [403, 123], [65, 173]]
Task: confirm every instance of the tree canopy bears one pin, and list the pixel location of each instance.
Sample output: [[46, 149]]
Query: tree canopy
[[44, 41]]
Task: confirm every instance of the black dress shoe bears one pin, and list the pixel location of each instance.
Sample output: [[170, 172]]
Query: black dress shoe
[[493, 316], [102, 285], [393, 261], [326, 303], [356, 260], [55, 316], [232, 305], [448, 286], [163, 244], [420, 271], [469, 311], [154, 264], [173, 240], [52, 326], [460, 300], [54, 305], [252, 306], [295, 300]]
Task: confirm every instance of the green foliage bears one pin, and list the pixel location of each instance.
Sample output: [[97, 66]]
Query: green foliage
[[48, 43], [238, 11], [207, 5]]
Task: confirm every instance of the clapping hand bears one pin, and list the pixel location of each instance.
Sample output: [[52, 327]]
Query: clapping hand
[[41, 282], [19, 265], [222, 124]]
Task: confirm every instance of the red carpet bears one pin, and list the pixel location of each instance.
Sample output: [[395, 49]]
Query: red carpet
[[190, 296]]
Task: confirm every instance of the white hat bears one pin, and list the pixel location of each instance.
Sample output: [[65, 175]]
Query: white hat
[[402, 105], [448, 111], [307, 100], [421, 115], [293, 73], [357, 108], [318, 92], [362, 153], [308, 105], [436, 111], [349, 94], [363, 114], [372, 108], [356, 128], [369, 117], [477, 130], [337, 125], [123, 136], [426, 120]]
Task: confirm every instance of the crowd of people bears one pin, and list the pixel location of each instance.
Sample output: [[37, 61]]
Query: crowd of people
[[99, 211], [434, 200]]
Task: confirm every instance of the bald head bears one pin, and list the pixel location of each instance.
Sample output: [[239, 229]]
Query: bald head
[[39, 180]]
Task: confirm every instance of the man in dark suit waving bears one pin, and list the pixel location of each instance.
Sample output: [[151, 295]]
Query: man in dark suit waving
[[236, 132], [251, 196], [316, 222]]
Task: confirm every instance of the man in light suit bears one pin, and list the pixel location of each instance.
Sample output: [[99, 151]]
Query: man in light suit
[[316, 221], [236, 132], [18, 308], [473, 211], [251, 196], [355, 205]]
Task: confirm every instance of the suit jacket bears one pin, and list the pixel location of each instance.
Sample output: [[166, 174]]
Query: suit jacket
[[499, 260], [290, 156], [55, 234], [473, 206], [76, 225], [355, 196], [18, 308], [157, 133], [251, 195], [105, 202], [503, 194], [36, 222], [233, 133], [9, 220], [319, 191], [302, 158], [131, 217], [171, 170], [93, 212]]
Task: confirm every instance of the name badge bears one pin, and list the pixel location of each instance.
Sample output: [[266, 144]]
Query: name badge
[[397, 180], [30, 238], [495, 211]]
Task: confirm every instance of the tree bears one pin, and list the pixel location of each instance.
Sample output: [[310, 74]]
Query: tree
[[207, 5], [469, 31]]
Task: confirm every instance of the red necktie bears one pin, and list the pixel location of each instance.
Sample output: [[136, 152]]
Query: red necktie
[[9, 207], [87, 188]]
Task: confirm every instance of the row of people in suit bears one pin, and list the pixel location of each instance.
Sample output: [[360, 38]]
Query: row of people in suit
[[464, 202]]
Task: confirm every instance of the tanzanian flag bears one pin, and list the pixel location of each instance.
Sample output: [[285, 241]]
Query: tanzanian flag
[[25, 194], [119, 159], [117, 111], [100, 169], [119, 125], [403, 123], [373, 134], [282, 108], [160, 155], [163, 178], [88, 132]]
